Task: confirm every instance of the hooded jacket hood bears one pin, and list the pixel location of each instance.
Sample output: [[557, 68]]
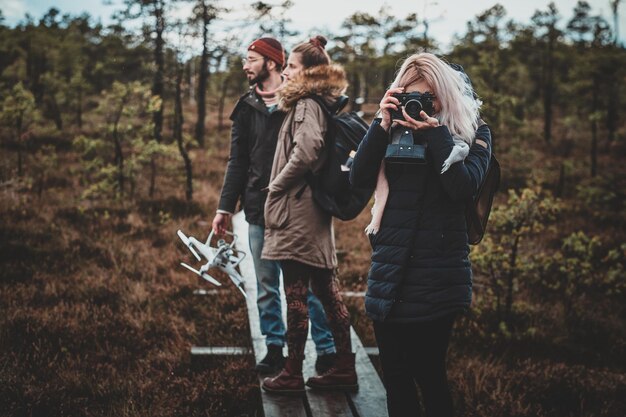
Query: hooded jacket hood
[[327, 81]]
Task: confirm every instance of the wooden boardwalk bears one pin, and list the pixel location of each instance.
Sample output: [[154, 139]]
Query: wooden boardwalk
[[369, 401]]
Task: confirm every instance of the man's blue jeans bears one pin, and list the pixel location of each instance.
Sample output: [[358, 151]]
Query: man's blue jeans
[[269, 304]]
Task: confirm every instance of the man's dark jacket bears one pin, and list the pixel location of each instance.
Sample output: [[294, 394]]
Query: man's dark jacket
[[253, 142], [420, 268]]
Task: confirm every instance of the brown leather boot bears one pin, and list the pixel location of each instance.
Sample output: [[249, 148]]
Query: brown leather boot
[[341, 376], [289, 381]]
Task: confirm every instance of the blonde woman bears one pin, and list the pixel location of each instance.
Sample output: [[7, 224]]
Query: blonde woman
[[420, 276]]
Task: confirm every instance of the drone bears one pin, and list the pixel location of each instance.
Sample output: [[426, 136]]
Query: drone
[[223, 256]]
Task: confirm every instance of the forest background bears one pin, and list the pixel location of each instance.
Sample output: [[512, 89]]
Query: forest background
[[113, 137]]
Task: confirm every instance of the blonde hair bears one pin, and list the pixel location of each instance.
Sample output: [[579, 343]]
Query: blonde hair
[[459, 110]]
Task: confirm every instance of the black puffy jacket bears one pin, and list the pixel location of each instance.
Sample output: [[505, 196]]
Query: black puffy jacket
[[253, 143], [420, 268]]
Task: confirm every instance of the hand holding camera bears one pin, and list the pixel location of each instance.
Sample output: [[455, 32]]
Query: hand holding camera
[[415, 111], [411, 110], [388, 103]]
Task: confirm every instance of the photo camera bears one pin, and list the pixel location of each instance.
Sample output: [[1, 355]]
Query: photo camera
[[413, 104]]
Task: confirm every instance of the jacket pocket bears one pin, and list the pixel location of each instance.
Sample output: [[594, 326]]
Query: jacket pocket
[[277, 211]]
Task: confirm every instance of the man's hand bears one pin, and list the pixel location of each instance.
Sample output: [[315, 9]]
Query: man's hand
[[221, 222]]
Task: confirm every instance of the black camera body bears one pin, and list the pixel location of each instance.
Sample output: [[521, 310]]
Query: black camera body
[[413, 104]]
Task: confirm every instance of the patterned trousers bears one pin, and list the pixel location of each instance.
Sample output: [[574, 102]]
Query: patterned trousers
[[297, 277]]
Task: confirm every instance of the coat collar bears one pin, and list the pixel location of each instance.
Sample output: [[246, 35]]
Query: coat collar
[[327, 81], [253, 99]]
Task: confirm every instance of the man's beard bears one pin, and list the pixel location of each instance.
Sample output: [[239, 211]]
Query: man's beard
[[262, 76]]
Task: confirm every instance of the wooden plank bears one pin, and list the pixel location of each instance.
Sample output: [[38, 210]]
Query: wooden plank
[[284, 406], [323, 403], [371, 399], [273, 405], [206, 292], [219, 350]]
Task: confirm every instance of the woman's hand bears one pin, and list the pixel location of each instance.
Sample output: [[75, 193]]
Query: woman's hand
[[428, 123], [389, 102]]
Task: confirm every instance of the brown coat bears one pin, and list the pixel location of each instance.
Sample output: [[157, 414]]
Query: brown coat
[[296, 228]]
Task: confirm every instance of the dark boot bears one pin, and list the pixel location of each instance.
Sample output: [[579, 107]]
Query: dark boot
[[289, 381], [272, 362], [341, 376], [324, 362]]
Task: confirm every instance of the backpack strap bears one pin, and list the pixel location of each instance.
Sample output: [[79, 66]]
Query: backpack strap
[[309, 177], [471, 211], [330, 112], [485, 197]]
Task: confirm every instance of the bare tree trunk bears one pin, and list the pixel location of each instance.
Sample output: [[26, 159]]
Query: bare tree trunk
[[20, 169], [496, 289], [386, 79], [495, 85], [560, 189], [222, 99], [19, 124], [40, 183], [119, 155], [189, 83], [613, 107], [132, 187], [119, 161], [178, 133], [510, 281], [203, 75], [364, 86], [56, 112], [79, 108], [157, 87], [611, 116], [549, 85], [615, 9], [594, 128]]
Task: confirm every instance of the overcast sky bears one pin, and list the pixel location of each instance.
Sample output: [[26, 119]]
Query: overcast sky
[[448, 17]]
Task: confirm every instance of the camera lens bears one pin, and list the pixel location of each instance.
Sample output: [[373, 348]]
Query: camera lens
[[413, 108]]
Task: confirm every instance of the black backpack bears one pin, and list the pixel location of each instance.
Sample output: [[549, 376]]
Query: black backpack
[[479, 206], [331, 186]]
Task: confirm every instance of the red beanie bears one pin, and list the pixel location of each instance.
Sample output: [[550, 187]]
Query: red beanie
[[269, 48]]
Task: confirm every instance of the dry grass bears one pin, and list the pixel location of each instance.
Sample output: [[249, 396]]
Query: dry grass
[[98, 318]]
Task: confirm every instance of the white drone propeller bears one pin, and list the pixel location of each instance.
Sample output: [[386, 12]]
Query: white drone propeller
[[203, 275], [188, 243]]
